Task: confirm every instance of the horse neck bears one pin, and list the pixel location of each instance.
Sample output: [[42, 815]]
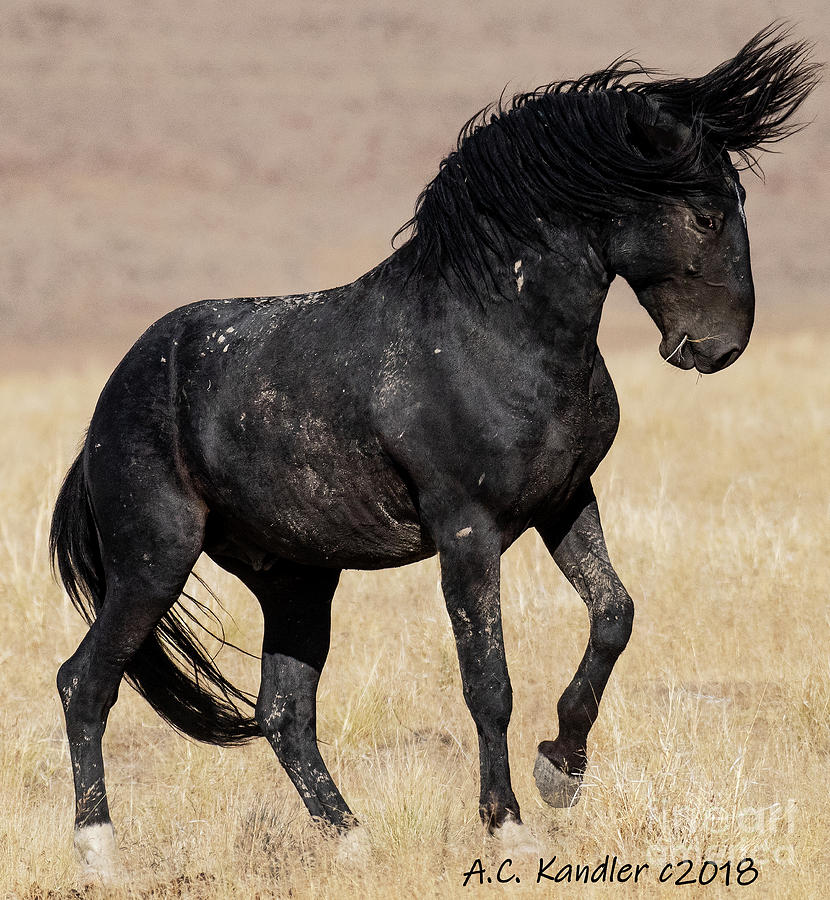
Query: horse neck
[[549, 298], [553, 296]]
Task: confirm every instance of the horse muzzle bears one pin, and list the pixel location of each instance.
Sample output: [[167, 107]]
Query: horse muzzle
[[707, 355]]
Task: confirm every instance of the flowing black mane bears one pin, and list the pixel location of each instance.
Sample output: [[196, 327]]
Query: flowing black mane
[[571, 149]]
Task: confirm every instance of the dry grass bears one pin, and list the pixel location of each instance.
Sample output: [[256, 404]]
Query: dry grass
[[713, 739]]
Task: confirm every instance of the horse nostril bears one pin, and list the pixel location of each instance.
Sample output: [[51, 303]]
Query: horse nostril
[[727, 358]]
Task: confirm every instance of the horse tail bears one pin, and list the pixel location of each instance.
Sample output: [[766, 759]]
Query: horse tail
[[73, 544], [172, 670]]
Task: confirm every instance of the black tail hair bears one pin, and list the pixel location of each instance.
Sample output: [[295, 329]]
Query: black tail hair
[[172, 669]]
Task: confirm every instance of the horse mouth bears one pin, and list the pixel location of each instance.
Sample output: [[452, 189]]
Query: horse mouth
[[708, 365]]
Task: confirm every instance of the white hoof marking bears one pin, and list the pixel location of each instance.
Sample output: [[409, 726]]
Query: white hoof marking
[[557, 788], [517, 839], [353, 849], [98, 853]]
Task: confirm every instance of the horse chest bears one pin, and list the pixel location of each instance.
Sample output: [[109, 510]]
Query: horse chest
[[576, 438]]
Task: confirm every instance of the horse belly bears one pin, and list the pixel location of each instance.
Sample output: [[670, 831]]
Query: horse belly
[[359, 525], [342, 509]]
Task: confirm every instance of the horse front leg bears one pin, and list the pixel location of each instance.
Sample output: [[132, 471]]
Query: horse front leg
[[469, 553], [577, 544]]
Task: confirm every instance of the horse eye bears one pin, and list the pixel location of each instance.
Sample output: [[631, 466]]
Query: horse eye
[[709, 222]]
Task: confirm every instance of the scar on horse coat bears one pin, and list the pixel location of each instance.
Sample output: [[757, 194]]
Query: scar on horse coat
[[445, 402]]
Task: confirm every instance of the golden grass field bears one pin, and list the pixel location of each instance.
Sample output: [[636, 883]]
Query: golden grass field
[[713, 738]]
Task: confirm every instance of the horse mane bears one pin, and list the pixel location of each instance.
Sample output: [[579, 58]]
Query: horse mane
[[571, 149]]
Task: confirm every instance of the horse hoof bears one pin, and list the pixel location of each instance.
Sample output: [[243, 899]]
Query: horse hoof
[[517, 839], [557, 788], [98, 854]]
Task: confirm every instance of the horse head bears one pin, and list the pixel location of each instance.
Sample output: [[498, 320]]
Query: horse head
[[682, 241], [688, 259]]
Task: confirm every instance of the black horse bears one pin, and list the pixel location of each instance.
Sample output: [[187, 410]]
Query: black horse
[[445, 402]]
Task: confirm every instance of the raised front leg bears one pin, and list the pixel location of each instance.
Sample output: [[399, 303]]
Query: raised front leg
[[577, 544], [470, 552]]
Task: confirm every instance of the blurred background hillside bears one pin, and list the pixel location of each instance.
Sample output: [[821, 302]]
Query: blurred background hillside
[[152, 154]]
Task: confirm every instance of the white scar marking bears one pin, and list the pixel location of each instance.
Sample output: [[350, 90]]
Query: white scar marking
[[520, 278], [465, 532]]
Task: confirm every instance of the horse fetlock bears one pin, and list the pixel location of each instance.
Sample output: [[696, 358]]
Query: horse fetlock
[[494, 814], [556, 787], [354, 847]]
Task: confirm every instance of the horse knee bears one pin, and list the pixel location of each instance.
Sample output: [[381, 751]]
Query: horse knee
[[611, 626]]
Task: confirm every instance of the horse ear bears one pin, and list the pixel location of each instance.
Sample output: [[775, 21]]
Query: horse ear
[[657, 133]]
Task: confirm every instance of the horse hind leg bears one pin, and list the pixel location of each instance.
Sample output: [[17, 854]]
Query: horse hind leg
[[296, 606], [146, 570]]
